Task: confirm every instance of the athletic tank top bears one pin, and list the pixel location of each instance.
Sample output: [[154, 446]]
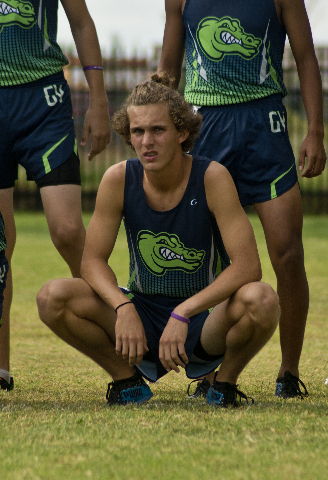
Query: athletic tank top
[[175, 253], [28, 47], [3, 243], [234, 51]]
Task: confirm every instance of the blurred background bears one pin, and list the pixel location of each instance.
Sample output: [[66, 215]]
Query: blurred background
[[130, 35]]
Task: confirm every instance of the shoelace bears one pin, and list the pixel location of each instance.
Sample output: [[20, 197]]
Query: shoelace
[[241, 395], [292, 386], [202, 387]]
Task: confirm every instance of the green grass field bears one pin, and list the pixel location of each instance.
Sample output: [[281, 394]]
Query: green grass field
[[55, 424]]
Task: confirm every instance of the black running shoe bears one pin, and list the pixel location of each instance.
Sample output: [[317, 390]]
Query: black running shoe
[[224, 394], [201, 390], [129, 390], [4, 385], [288, 386]]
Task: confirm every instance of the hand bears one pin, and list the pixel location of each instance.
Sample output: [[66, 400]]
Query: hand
[[131, 340], [96, 125], [172, 345], [312, 148]]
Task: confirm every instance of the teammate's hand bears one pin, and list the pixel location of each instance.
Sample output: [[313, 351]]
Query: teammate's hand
[[172, 345], [97, 128], [312, 148], [131, 340]]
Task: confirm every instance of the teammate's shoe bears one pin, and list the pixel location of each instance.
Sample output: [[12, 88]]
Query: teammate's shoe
[[224, 394], [128, 390], [201, 390], [288, 386], [4, 385]]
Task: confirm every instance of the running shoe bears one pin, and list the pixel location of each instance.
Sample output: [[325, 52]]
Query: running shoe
[[128, 390], [224, 394], [288, 386], [4, 385], [201, 390]]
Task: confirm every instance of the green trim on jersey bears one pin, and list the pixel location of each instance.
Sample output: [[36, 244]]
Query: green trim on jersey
[[3, 242]]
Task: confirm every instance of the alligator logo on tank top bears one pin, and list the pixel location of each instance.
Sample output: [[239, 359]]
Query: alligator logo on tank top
[[163, 252], [218, 37], [15, 12]]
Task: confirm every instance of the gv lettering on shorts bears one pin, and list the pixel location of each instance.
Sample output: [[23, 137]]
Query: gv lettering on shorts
[[277, 120], [53, 94]]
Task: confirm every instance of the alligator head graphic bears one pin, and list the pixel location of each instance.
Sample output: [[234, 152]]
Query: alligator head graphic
[[164, 252], [225, 36], [15, 12]]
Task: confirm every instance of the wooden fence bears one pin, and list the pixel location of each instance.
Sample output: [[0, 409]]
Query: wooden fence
[[121, 75]]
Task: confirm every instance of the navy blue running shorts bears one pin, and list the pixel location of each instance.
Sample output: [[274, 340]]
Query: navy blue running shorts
[[4, 267], [37, 128], [154, 312], [251, 140]]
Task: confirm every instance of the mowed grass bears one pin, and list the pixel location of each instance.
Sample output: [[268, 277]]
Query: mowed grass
[[55, 424]]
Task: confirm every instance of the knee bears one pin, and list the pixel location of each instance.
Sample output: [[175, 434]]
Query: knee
[[50, 301], [68, 234], [262, 304], [289, 256]]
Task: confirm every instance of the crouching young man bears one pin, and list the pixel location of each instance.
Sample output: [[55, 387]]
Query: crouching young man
[[194, 298]]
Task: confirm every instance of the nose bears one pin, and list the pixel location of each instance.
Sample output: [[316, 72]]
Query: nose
[[148, 138]]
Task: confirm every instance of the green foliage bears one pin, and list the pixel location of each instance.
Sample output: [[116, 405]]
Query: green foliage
[[55, 424]]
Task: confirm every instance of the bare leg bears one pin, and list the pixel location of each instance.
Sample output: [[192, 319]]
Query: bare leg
[[7, 210], [240, 327], [282, 221], [74, 312], [62, 206]]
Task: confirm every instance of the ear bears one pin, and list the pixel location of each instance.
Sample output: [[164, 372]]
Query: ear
[[183, 136]]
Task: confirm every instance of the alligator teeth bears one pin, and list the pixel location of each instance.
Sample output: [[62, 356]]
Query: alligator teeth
[[5, 9], [169, 255], [229, 39]]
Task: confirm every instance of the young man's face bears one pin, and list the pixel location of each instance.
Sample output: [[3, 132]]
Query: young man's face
[[154, 136]]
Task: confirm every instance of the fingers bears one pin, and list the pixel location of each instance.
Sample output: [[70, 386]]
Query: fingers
[[131, 349], [172, 356]]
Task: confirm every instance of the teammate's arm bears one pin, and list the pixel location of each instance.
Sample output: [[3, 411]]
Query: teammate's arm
[[294, 17], [173, 41], [96, 124], [100, 240]]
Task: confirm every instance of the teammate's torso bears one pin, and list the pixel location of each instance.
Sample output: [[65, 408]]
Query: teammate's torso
[[28, 47], [234, 51], [172, 253]]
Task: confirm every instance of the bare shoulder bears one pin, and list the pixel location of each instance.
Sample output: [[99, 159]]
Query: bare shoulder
[[219, 186], [111, 188]]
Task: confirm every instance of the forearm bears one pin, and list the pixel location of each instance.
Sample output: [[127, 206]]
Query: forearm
[[87, 45], [223, 287], [311, 91], [101, 278]]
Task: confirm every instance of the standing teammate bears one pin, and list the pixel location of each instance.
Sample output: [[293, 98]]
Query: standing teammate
[[3, 276], [234, 76], [172, 205], [36, 125]]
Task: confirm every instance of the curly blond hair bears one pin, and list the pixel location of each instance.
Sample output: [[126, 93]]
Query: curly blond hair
[[158, 90]]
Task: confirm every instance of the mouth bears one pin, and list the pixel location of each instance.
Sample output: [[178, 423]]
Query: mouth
[[151, 155], [229, 39], [7, 9], [169, 255]]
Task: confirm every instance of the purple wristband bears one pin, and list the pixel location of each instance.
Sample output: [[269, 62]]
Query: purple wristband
[[92, 67], [178, 317]]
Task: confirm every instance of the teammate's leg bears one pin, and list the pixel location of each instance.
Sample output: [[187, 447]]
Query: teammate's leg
[[62, 206], [7, 210], [282, 221]]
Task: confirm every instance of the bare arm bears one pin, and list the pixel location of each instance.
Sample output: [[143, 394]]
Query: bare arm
[[100, 240], [238, 237], [173, 41], [96, 124], [295, 20]]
